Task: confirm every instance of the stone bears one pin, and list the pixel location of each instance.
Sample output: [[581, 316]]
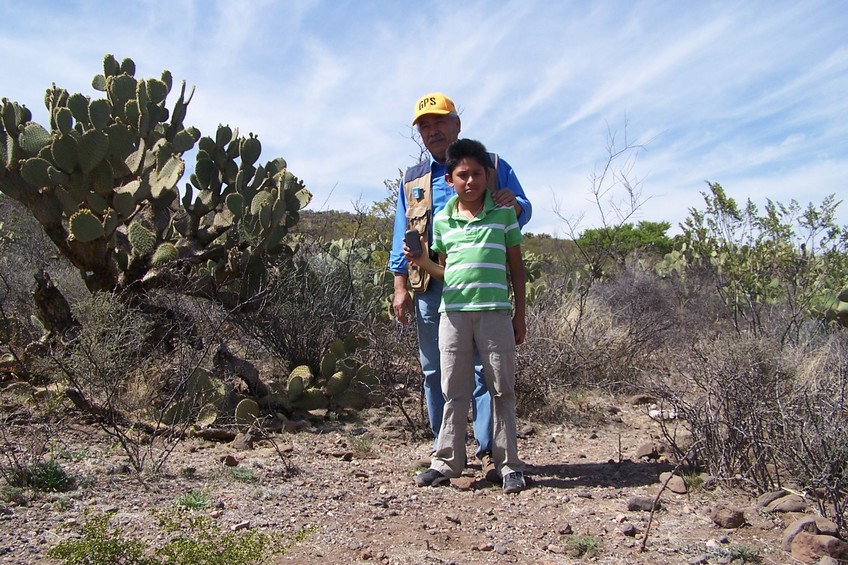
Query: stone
[[229, 460], [790, 503], [641, 399], [628, 530], [811, 525], [806, 524], [463, 483], [242, 442], [643, 503], [768, 497], [674, 483], [648, 451], [808, 547], [727, 517]]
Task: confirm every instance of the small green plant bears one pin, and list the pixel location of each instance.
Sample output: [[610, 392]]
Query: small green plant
[[693, 481], [362, 445], [99, 545], [584, 546], [41, 475], [243, 475], [71, 454], [198, 540], [10, 493], [739, 553], [193, 538], [188, 472], [194, 500], [50, 476], [63, 503]]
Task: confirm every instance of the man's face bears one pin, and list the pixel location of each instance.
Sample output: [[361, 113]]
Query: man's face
[[437, 132]]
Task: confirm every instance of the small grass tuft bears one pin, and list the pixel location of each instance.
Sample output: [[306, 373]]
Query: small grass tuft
[[194, 500], [584, 546], [243, 475]]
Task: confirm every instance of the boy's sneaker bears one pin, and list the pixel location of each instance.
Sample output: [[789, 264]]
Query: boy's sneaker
[[490, 471], [430, 478], [513, 482]]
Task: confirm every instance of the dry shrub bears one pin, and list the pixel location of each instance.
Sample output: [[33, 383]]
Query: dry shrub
[[815, 442], [129, 365], [730, 392], [603, 338]]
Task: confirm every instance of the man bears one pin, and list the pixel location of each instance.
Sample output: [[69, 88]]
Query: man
[[423, 193]]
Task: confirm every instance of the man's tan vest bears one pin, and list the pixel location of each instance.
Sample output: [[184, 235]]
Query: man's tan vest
[[419, 210]]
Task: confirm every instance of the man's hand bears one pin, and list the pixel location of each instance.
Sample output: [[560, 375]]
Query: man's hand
[[506, 197], [402, 302]]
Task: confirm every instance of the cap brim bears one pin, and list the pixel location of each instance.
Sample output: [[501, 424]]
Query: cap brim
[[436, 112]]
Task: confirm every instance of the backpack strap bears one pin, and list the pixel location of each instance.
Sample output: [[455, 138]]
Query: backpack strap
[[492, 184]]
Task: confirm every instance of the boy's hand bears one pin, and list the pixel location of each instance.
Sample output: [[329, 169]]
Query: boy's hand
[[519, 328], [412, 259]]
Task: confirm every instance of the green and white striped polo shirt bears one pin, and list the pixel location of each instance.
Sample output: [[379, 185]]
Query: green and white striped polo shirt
[[475, 266]]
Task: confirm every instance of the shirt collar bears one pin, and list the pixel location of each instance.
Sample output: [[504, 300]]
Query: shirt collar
[[488, 205]]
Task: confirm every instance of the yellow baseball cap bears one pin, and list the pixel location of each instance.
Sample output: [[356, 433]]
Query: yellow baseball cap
[[433, 103]]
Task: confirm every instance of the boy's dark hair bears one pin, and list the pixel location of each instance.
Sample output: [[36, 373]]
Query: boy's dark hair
[[466, 148]]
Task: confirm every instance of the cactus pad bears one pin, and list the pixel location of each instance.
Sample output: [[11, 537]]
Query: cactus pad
[[247, 411], [164, 254], [311, 399], [85, 226]]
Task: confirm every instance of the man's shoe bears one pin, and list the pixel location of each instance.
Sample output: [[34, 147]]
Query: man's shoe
[[513, 482], [430, 478], [490, 471]]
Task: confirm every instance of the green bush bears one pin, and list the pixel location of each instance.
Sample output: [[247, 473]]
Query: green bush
[[194, 540], [100, 545]]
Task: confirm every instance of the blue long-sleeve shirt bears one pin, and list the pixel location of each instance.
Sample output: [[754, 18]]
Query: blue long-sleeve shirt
[[442, 192]]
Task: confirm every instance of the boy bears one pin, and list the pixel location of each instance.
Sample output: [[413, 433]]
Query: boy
[[477, 243]]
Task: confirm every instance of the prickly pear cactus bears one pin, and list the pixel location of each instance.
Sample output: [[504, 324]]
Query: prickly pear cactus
[[102, 181], [342, 381]]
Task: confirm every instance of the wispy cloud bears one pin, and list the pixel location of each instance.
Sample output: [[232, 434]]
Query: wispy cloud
[[750, 94]]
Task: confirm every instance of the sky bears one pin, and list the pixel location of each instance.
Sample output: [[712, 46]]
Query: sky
[[750, 94]]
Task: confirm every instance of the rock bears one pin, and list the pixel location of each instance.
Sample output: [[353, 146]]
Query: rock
[[808, 547], [229, 460], [675, 483], [525, 431], [643, 503], [810, 525], [702, 559], [628, 530], [641, 399], [293, 426], [768, 497], [243, 441], [790, 503], [566, 530], [828, 560], [648, 451], [727, 517], [485, 547], [557, 549], [240, 526], [462, 483]]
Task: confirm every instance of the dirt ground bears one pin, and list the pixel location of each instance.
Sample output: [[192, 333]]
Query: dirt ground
[[351, 483]]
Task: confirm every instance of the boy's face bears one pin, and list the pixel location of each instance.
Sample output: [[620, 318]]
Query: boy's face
[[469, 180]]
